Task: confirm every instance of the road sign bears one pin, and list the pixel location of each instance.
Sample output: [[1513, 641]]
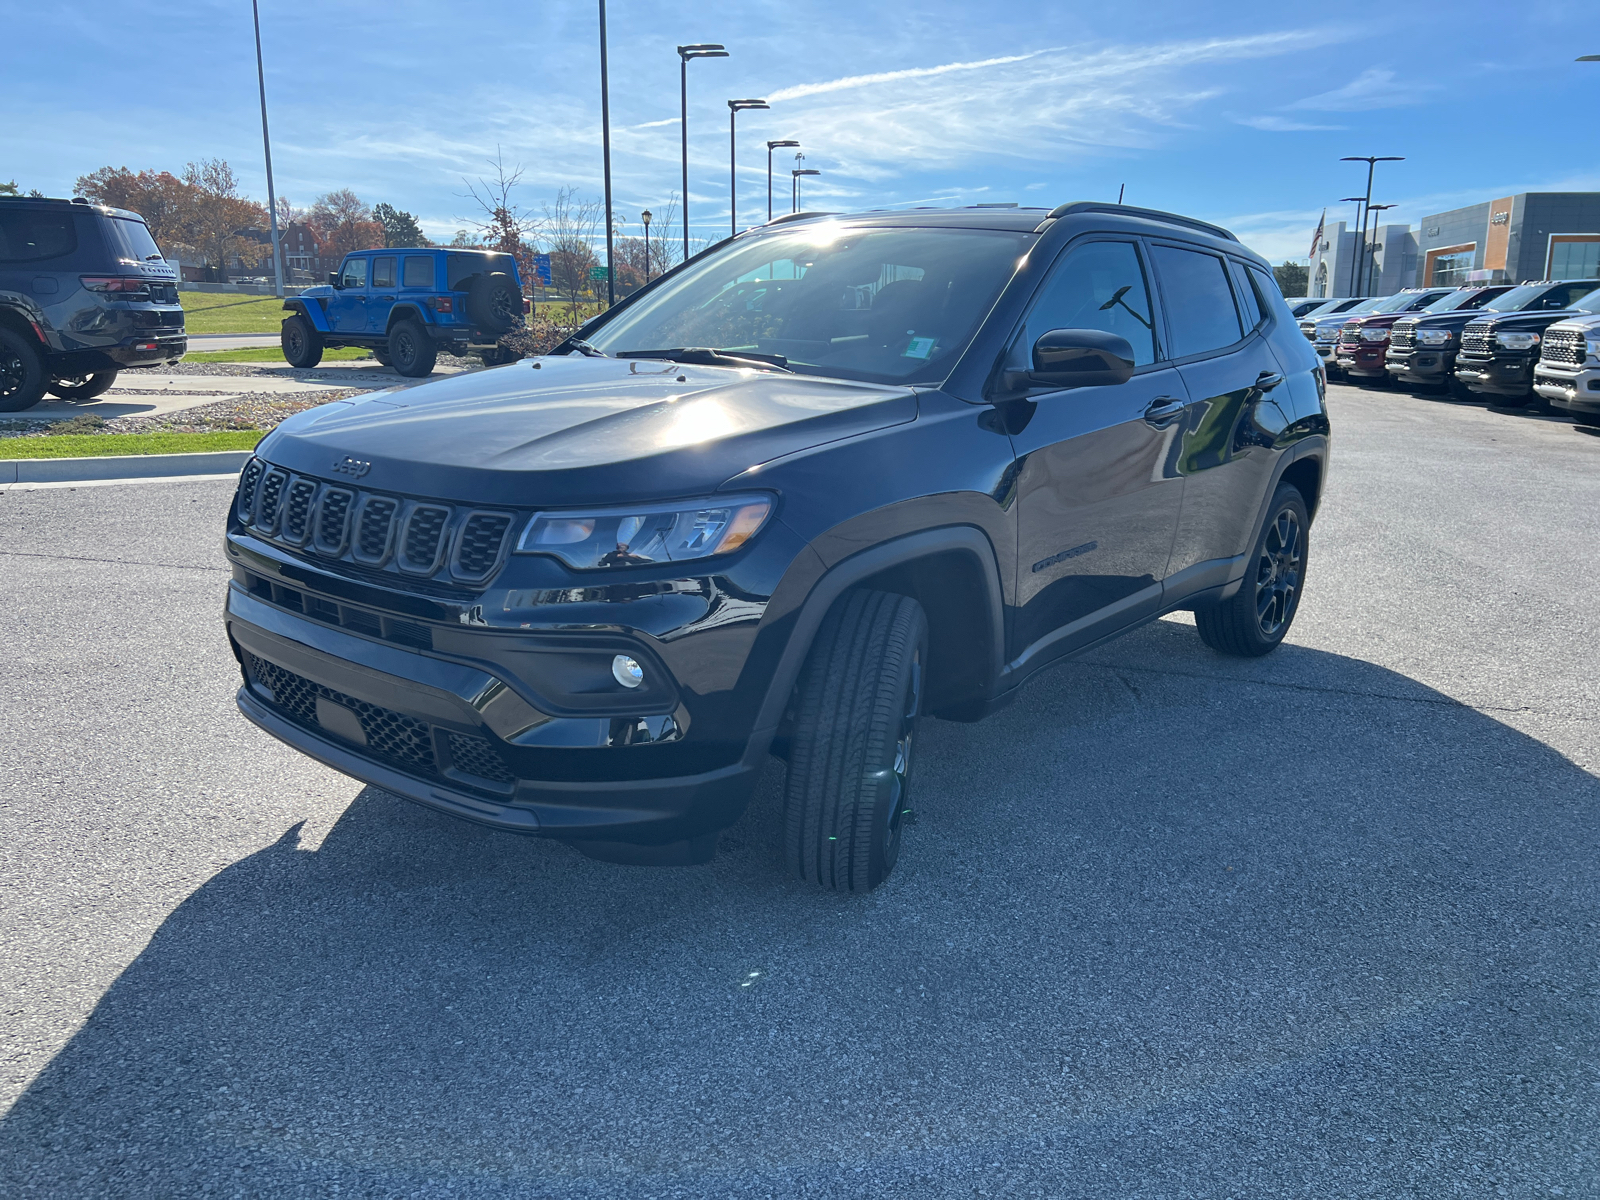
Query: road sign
[[598, 273], [541, 268]]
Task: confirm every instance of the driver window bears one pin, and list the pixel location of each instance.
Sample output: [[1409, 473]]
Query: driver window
[[1096, 286], [355, 274]]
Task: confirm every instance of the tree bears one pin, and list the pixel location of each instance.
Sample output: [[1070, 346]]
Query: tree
[[570, 225], [220, 215], [400, 228], [502, 224], [1292, 278], [344, 223], [166, 202], [9, 188]]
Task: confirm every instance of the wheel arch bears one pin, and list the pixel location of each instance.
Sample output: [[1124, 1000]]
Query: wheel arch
[[1306, 474], [401, 312], [311, 312]]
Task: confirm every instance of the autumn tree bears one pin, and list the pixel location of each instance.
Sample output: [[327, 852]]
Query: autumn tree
[[220, 216], [400, 228], [501, 223], [167, 203], [343, 223]]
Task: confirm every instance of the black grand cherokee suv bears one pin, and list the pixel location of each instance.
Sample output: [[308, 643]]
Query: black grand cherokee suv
[[83, 293], [830, 475]]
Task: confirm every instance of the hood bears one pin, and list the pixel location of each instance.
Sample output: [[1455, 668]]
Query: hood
[[321, 289], [1447, 320], [1377, 320], [1588, 323], [579, 430], [1540, 319]]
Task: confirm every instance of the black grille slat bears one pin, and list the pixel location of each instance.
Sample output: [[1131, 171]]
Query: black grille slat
[[374, 529], [1477, 341], [424, 534], [477, 756], [249, 480], [1403, 336], [267, 502], [297, 509], [479, 543], [333, 520]]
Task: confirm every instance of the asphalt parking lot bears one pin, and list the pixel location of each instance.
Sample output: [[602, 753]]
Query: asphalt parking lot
[[1320, 925]]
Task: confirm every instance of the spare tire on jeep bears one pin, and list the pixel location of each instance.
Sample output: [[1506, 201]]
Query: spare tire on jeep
[[493, 302]]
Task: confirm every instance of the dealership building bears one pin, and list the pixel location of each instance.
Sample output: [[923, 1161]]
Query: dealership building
[[1534, 235]]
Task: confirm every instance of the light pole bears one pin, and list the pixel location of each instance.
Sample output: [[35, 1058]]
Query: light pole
[[1358, 201], [266, 144], [797, 174], [645, 217], [735, 107], [771, 146], [685, 53], [605, 150], [1371, 161], [1373, 258]]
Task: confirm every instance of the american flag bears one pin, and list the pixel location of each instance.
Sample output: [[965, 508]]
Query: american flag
[[1316, 238]]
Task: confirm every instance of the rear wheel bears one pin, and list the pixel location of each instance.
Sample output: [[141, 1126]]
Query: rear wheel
[[1259, 615], [381, 353], [83, 387], [22, 374], [850, 756], [411, 350], [302, 344]]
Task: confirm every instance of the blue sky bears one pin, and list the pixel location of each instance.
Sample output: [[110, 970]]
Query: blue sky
[[1237, 112]]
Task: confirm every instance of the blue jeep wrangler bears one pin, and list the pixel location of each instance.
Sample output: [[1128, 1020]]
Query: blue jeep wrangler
[[406, 305]]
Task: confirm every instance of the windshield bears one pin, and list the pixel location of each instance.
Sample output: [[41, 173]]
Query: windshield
[[1316, 310], [1468, 298], [1589, 303], [1365, 306], [1542, 296], [1397, 302], [882, 305], [131, 240]]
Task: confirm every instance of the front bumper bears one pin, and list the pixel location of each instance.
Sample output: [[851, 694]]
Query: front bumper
[[1576, 390], [455, 738], [1423, 365], [1496, 375], [1365, 362]]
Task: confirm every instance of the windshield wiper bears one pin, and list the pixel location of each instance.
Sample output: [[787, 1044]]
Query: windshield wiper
[[704, 356], [586, 349]]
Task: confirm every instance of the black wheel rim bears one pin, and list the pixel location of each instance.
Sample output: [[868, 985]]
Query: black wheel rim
[[403, 349], [13, 373], [1278, 573], [501, 306], [295, 343], [900, 766]]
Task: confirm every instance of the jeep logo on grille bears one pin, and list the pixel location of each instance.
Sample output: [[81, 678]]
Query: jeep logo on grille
[[353, 467]]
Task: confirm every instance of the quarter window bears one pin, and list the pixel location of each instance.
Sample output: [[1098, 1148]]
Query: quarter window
[[1101, 286], [355, 273], [1249, 302], [33, 236], [1200, 310], [418, 271], [382, 272]]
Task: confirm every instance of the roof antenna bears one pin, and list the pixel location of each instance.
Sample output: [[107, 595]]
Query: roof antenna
[[1120, 188]]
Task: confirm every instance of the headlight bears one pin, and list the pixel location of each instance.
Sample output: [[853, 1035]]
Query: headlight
[[1594, 349], [1513, 340], [1374, 335], [640, 534], [1434, 337]]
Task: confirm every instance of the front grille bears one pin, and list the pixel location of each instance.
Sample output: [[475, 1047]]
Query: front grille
[[418, 537], [1477, 341], [1350, 335], [1564, 347], [1403, 336], [391, 736]]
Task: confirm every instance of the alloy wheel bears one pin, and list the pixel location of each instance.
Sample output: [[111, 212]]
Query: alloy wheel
[[13, 373], [1278, 571]]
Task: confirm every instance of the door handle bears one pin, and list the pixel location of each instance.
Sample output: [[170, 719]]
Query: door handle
[[1268, 380], [383, 297], [1163, 410]]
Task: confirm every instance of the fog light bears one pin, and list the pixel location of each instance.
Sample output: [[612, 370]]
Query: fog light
[[626, 672]]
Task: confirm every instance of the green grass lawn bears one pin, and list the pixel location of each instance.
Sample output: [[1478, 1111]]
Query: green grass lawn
[[223, 312], [89, 444], [274, 354]]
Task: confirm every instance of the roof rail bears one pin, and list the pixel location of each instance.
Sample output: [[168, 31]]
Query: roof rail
[[1129, 210], [799, 216]]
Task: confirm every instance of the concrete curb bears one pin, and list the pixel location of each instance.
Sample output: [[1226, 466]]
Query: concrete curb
[[121, 466]]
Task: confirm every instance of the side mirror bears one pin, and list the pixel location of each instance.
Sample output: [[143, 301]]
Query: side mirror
[[1081, 358], [333, 278]]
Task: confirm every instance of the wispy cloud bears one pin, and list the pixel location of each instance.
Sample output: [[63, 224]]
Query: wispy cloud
[[857, 81], [1376, 87], [1282, 124]]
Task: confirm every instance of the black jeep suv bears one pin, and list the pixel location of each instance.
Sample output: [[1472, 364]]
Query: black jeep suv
[[83, 293], [827, 476]]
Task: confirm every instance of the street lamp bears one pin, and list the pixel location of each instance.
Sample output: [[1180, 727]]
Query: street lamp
[[685, 53], [797, 174], [266, 143], [1376, 208], [605, 149], [735, 107], [1371, 161], [771, 146], [1358, 201], [645, 217]]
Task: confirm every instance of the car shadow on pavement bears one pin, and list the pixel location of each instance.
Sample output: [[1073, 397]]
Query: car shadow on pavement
[[1171, 925]]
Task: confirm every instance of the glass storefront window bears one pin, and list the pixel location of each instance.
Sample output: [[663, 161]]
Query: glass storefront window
[[1450, 270], [1575, 260]]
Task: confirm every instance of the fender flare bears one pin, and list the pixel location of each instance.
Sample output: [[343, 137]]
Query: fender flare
[[311, 312], [847, 573], [407, 309]]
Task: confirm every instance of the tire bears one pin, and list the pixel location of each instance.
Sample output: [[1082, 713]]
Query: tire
[[856, 712], [1255, 620], [493, 302], [302, 344], [22, 374], [1512, 401], [1457, 390], [1590, 420], [411, 351], [381, 353], [83, 387]]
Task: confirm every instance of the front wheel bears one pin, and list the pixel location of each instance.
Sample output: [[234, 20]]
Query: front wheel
[[83, 387], [856, 712], [22, 376], [1259, 615], [302, 344], [411, 350]]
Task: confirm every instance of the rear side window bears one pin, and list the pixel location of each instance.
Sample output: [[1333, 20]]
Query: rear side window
[[1200, 309], [462, 266], [355, 273], [1564, 296], [130, 240], [1101, 286], [35, 235], [1250, 306], [418, 271], [383, 272]]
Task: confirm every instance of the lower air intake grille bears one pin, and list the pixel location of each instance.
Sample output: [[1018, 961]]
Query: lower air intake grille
[[477, 756]]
